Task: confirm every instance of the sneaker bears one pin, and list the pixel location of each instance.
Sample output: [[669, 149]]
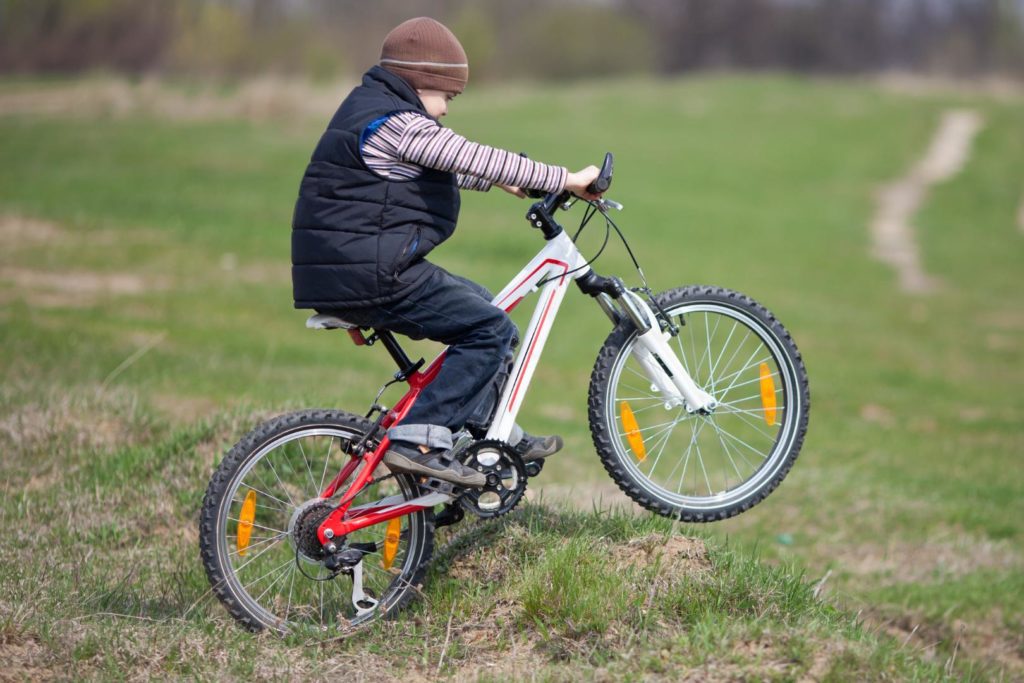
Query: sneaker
[[536, 447], [438, 463]]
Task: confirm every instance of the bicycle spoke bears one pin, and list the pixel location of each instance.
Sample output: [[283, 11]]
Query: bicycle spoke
[[646, 408], [661, 449], [619, 399], [732, 408], [773, 375], [639, 374], [764, 456], [264, 493], [288, 606], [285, 488], [700, 460], [237, 553], [730, 450], [707, 349], [650, 427], [728, 363], [728, 454], [682, 354], [744, 368], [288, 565], [327, 460], [321, 606], [260, 504], [272, 571], [686, 462], [753, 425], [305, 461], [714, 365], [693, 348], [256, 557], [258, 526]]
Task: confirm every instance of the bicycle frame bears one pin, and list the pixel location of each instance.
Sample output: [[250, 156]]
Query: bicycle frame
[[551, 271]]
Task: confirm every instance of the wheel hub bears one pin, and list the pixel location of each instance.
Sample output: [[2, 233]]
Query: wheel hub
[[304, 525]]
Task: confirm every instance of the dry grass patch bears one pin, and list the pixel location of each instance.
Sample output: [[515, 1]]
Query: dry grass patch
[[49, 289], [259, 99], [986, 640], [899, 561], [20, 231], [78, 420]]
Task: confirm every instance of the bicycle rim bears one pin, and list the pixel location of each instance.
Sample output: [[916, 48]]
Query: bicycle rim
[[266, 551], [712, 462]]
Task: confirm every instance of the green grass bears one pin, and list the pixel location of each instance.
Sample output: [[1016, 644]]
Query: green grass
[[907, 498]]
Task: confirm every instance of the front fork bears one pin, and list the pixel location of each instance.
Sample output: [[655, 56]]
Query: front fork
[[660, 363]]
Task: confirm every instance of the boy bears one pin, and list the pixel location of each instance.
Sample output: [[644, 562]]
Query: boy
[[381, 191]]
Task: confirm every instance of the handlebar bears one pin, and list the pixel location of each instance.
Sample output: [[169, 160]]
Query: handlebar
[[604, 179], [600, 184], [540, 214]]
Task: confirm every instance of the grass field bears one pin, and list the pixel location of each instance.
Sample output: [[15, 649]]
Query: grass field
[[146, 323]]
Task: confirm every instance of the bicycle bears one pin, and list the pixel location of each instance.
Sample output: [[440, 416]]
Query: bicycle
[[698, 407]]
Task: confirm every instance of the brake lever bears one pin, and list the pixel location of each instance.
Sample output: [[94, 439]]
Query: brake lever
[[604, 204]]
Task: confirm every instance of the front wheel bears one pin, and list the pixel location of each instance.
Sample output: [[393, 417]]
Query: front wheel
[[703, 467], [257, 530]]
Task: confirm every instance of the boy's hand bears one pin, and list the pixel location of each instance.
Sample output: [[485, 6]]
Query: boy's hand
[[511, 189], [577, 182]]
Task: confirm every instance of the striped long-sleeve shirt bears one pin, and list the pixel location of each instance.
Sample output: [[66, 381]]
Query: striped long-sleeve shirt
[[400, 146]]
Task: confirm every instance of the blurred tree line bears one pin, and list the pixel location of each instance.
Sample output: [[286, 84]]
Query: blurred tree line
[[529, 38]]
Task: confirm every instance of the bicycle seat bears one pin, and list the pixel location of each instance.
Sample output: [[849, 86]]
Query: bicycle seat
[[323, 321]]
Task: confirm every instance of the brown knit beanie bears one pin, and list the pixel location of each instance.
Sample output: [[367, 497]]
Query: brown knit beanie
[[427, 55]]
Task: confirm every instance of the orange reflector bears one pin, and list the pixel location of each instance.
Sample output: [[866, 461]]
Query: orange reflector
[[767, 394], [636, 440], [245, 518], [391, 542]]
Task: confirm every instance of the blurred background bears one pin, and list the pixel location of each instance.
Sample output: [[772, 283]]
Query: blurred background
[[542, 39]]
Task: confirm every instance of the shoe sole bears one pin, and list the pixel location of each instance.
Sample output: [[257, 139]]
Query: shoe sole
[[531, 458], [400, 463]]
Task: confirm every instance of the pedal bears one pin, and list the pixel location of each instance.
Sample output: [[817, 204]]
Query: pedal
[[435, 485], [451, 514], [533, 468]]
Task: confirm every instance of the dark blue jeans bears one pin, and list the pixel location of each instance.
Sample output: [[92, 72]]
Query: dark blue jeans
[[454, 311]]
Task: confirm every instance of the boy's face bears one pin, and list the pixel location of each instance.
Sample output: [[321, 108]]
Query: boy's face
[[436, 101]]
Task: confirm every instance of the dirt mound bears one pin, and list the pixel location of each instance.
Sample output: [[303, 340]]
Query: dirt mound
[[673, 555]]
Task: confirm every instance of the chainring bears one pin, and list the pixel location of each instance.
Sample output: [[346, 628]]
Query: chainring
[[506, 478]]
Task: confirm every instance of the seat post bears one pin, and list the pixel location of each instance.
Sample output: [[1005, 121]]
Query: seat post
[[405, 364]]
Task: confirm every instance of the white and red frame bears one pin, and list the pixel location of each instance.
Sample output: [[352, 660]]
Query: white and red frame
[[551, 271]]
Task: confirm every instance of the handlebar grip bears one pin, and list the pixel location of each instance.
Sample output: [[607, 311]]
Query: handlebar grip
[[604, 179]]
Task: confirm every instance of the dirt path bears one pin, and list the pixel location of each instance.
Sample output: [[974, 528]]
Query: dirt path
[[1020, 215], [892, 231]]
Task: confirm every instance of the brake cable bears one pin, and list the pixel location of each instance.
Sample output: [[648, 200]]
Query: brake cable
[[646, 289]]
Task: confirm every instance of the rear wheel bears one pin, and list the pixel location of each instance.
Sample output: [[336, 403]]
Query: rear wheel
[[258, 527], [694, 467]]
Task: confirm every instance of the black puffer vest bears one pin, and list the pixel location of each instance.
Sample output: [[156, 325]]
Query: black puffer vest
[[358, 239]]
